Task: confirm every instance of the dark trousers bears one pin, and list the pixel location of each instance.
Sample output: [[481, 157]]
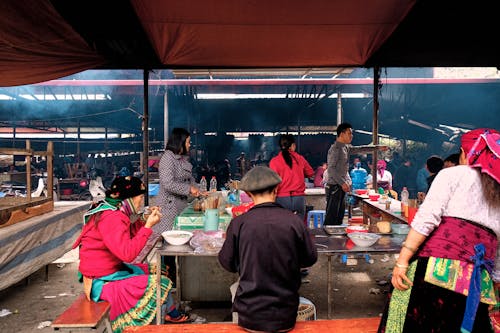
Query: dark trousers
[[335, 204], [296, 204]]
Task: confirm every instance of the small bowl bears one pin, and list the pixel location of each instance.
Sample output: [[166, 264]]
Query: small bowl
[[177, 237], [363, 239], [335, 229], [374, 197], [356, 220], [361, 191], [400, 229], [356, 228], [229, 211]]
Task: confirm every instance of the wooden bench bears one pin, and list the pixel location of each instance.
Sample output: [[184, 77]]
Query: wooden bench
[[352, 325], [84, 316]]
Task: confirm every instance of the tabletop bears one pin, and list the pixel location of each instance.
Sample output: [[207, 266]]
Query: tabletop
[[342, 244], [324, 243]]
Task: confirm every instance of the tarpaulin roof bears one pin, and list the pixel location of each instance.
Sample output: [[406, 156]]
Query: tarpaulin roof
[[42, 40]]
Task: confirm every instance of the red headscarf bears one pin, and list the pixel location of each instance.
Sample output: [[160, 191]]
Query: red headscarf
[[482, 148], [381, 166]]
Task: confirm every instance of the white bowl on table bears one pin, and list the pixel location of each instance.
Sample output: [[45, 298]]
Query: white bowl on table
[[177, 237], [363, 239]]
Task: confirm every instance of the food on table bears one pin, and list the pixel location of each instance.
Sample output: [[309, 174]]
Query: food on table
[[384, 227]]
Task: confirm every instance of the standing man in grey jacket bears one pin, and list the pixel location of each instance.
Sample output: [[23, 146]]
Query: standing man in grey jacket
[[338, 182]]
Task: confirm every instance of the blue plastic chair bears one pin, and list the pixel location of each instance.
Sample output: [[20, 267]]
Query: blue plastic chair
[[318, 217]]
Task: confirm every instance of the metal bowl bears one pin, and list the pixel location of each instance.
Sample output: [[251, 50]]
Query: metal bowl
[[334, 229]]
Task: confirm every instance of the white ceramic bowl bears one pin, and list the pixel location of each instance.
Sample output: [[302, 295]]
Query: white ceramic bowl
[[363, 239], [177, 237]]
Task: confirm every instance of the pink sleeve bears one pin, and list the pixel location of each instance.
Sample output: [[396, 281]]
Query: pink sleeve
[[136, 226], [115, 231]]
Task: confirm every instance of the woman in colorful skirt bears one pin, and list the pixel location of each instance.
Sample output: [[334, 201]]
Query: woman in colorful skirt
[[447, 272], [108, 243]]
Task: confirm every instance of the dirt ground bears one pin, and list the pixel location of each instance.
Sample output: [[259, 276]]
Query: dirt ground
[[359, 291]]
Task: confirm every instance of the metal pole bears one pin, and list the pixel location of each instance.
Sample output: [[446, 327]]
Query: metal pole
[[145, 135], [339, 109], [165, 118], [376, 78], [78, 144]]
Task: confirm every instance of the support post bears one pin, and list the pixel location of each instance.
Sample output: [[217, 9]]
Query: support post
[[376, 78], [145, 136], [165, 118]]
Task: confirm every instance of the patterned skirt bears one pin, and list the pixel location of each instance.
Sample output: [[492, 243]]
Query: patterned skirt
[[133, 300], [428, 308]]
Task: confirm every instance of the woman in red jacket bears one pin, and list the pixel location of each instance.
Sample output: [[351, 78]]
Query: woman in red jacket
[[293, 169], [109, 242]]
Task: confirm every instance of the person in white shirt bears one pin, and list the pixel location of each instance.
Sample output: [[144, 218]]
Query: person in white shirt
[[447, 271]]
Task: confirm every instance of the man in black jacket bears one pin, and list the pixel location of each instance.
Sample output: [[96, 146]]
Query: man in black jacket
[[267, 246]]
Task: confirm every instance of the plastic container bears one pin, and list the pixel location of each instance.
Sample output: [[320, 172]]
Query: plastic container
[[213, 184], [203, 184], [361, 191], [405, 196], [400, 229], [153, 189]]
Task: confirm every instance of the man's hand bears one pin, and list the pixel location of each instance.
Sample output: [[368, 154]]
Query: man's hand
[[346, 188]]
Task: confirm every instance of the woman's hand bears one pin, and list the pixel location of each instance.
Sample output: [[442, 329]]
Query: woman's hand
[[400, 280], [154, 217], [194, 191]]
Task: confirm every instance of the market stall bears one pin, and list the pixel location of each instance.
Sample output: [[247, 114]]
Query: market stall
[[31, 244]]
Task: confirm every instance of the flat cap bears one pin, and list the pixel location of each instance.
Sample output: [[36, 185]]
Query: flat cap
[[259, 178]]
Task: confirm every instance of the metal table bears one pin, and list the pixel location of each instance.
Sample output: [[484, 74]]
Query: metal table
[[179, 252], [341, 244], [369, 207], [326, 245]]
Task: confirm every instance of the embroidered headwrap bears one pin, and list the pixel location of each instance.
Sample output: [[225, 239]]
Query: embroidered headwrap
[[482, 149], [381, 166], [126, 187], [119, 196]]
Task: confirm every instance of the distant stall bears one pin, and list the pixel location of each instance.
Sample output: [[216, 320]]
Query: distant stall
[[22, 206]]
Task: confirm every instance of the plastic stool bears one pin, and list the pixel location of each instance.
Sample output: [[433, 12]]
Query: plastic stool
[[367, 258], [318, 217]]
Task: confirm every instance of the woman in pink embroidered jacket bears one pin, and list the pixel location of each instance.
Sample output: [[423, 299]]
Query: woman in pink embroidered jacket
[[448, 268], [109, 242]]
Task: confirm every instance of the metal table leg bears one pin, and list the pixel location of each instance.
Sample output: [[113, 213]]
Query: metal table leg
[[158, 288], [178, 289], [329, 277]]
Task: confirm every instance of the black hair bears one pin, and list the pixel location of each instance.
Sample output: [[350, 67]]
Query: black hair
[[341, 128], [177, 141], [286, 141], [453, 158], [434, 164]]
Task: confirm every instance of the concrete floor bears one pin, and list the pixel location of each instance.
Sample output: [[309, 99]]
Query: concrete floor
[[357, 293]]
